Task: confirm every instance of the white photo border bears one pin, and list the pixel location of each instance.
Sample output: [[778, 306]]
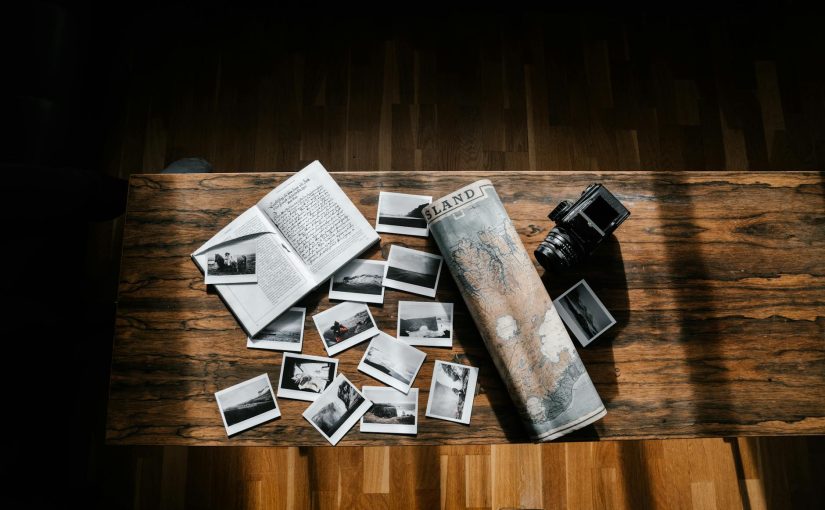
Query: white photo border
[[231, 430], [408, 287], [390, 429], [308, 396], [338, 295], [572, 323], [272, 345], [467, 412], [386, 378], [347, 425], [349, 342], [396, 229]]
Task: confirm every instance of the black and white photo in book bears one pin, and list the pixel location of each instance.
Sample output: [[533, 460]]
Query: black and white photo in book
[[412, 270], [359, 280], [452, 391], [247, 404], [344, 325], [392, 362], [337, 409], [305, 377], [425, 323], [392, 412], [232, 262], [399, 213], [286, 333], [583, 313]]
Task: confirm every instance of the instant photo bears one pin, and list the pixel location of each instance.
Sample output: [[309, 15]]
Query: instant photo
[[452, 391], [392, 362], [399, 213], [232, 263], [305, 377], [583, 313], [392, 412], [337, 409], [286, 333], [412, 271], [345, 325], [360, 280], [426, 324], [247, 404]]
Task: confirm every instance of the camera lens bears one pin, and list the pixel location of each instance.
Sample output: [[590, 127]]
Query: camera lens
[[557, 251]]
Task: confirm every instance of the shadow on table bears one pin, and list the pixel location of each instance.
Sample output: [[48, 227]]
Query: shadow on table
[[605, 273]]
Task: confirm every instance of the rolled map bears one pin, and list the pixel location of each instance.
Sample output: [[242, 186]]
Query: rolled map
[[513, 312]]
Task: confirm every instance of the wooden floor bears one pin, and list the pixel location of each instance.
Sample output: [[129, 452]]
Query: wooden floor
[[552, 92], [674, 474]]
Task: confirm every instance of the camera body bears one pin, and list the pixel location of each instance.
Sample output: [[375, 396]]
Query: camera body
[[580, 227]]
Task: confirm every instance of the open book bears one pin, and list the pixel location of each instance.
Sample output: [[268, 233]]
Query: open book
[[303, 231]]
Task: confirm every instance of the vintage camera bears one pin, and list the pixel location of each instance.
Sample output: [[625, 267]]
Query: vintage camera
[[580, 228]]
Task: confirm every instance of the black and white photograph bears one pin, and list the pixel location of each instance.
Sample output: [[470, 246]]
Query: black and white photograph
[[286, 333], [412, 270], [247, 404], [452, 391], [392, 362], [399, 213], [337, 409], [305, 377], [392, 412], [426, 324], [583, 313], [360, 280], [232, 263], [345, 325]]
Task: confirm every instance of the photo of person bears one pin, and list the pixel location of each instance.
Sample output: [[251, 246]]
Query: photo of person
[[304, 377], [399, 213], [583, 313], [232, 263], [412, 270], [344, 325], [337, 409]]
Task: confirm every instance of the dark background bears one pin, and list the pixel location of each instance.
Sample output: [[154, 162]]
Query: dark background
[[93, 92]]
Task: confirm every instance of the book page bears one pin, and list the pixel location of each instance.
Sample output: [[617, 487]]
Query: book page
[[282, 278], [249, 223], [320, 222]]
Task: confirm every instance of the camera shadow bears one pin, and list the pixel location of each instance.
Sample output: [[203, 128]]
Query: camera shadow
[[605, 273]]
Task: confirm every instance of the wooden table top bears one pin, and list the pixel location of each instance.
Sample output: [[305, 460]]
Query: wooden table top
[[717, 281]]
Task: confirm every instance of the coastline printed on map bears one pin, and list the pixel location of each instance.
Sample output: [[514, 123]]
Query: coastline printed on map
[[526, 338]]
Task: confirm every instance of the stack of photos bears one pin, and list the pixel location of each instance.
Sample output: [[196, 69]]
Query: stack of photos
[[286, 333], [426, 324], [247, 404], [392, 362], [583, 312], [392, 412], [344, 325], [399, 213], [360, 280], [337, 409], [305, 377], [232, 263], [412, 270], [452, 391]]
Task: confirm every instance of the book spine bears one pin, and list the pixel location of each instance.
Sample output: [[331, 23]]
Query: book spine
[[513, 312]]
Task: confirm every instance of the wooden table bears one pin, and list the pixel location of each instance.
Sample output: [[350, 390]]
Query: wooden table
[[717, 281]]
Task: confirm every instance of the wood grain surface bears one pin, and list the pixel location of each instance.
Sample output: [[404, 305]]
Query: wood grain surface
[[716, 281]]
